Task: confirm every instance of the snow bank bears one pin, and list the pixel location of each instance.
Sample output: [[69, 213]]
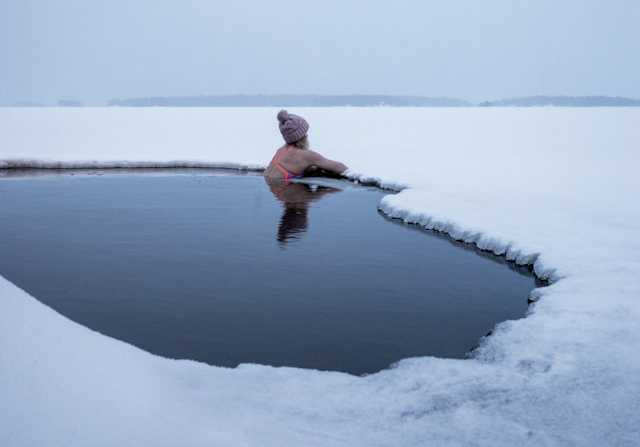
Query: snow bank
[[553, 187]]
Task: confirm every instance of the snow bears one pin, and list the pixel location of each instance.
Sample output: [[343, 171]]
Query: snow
[[556, 187]]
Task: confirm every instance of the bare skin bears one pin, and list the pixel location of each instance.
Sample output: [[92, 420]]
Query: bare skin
[[299, 161]]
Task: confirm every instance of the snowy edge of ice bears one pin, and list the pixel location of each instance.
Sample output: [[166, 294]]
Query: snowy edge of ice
[[32, 163], [478, 239]]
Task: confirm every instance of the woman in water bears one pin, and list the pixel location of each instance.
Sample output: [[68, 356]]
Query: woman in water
[[295, 159]]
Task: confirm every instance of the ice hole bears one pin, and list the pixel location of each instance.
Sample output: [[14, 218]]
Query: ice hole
[[227, 269]]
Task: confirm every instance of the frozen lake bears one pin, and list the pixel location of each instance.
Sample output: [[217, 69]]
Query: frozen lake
[[226, 270], [553, 187]]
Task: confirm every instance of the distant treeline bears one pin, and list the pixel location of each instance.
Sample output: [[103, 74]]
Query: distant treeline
[[349, 101], [291, 101], [564, 101]]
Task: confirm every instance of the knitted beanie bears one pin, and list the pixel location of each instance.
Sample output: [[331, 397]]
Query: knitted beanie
[[292, 127]]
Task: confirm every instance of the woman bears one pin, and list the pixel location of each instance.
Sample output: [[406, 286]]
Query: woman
[[294, 159]]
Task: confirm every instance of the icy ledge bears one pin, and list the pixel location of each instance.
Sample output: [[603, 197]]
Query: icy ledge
[[35, 163], [392, 206]]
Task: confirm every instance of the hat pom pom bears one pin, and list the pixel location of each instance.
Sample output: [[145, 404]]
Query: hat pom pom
[[283, 115]]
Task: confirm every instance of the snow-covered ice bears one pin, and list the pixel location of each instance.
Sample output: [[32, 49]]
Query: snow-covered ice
[[556, 187]]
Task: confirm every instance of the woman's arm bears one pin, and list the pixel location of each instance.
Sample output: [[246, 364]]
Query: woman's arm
[[315, 159]]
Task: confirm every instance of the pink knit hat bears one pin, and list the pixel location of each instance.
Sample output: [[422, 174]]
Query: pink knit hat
[[292, 127]]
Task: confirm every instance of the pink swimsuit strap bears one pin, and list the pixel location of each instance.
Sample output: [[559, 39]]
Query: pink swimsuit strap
[[276, 162]]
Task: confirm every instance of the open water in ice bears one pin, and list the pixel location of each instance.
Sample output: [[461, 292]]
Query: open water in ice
[[227, 269]]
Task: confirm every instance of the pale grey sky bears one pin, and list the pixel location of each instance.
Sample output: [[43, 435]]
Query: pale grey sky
[[93, 51]]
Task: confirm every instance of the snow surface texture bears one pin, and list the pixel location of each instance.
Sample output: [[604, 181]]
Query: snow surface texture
[[555, 187]]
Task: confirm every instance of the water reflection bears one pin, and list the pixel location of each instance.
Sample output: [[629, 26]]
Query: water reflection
[[296, 197]]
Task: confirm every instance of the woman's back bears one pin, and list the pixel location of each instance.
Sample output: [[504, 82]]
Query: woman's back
[[291, 162]]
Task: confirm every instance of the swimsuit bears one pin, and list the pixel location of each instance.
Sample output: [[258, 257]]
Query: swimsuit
[[276, 162]]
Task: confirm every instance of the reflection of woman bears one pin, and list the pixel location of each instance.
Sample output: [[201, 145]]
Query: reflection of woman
[[296, 198], [295, 159]]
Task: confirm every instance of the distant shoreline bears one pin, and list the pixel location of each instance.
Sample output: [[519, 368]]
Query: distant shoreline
[[349, 101]]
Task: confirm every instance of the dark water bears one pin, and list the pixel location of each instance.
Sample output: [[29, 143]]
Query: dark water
[[215, 268]]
